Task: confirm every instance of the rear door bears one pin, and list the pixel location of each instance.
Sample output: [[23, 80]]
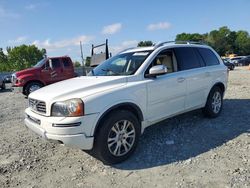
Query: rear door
[[197, 78], [68, 69]]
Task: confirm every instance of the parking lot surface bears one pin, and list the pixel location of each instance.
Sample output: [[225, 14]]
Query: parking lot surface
[[185, 151]]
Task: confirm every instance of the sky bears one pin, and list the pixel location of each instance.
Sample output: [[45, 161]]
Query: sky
[[60, 25]]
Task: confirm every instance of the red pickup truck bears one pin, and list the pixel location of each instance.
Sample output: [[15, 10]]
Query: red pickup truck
[[47, 71]]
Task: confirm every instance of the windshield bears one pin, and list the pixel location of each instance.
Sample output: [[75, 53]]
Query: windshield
[[121, 65], [40, 63]]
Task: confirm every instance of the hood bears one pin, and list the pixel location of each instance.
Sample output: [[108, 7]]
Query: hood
[[79, 87], [26, 71]]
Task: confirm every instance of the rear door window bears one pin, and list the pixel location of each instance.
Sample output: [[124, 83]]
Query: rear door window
[[208, 57], [187, 58], [66, 62], [56, 63]]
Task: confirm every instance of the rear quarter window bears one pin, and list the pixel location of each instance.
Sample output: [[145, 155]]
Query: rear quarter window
[[208, 57]]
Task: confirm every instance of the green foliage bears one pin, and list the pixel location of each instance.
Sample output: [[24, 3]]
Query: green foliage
[[87, 61], [77, 64], [145, 43], [3, 61], [189, 37], [20, 57], [223, 40]]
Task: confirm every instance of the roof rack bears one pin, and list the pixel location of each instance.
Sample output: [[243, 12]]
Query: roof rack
[[178, 42]]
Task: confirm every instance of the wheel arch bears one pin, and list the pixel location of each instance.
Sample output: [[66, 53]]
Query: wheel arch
[[220, 85], [28, 82], [135, 109]]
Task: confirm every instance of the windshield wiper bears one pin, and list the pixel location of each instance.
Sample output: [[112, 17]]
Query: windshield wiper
[[109, 70]]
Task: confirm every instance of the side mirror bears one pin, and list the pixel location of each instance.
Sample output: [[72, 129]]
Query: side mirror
[[157, 70]]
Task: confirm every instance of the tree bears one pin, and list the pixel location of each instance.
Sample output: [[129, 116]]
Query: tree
[[219, 40], [3, 61], [190, 37], [87, 61], [223, 40], [145, 43], [22, 57], [77, 64], [242, 42]]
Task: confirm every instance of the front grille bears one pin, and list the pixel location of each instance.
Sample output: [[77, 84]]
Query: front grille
[[38, 106]]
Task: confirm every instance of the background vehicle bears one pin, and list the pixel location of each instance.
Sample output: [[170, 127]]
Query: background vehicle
[[45, 72], [97, 58], [244, 61], [7, 79], [229, 65], [235, 60], [107, 111], [2, 83]]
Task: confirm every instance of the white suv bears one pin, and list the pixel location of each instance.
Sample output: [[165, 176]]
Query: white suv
[[107, 111]]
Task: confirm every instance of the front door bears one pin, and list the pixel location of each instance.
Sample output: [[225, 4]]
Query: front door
[[57, 70], [166, 93], [52, 71]]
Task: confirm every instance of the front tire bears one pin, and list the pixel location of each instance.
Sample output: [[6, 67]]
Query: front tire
[[117, 137], [214, 103], [31, 87]]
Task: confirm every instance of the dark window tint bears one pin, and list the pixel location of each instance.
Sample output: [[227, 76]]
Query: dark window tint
[[198, 55], [66, 62], [186, 58], [208, 56], [55, 63]]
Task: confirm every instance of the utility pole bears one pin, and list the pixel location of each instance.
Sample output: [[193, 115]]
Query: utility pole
[[81, 53]]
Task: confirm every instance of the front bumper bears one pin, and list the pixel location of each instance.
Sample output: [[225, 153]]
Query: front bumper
[[77, 137]]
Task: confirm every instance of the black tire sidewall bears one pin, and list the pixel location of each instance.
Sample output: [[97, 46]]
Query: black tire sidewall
[[27, 88], [208, 110], [101, 146]]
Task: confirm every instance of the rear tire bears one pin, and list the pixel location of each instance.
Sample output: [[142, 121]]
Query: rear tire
[[214, 103], [31, 87], [117, 137]]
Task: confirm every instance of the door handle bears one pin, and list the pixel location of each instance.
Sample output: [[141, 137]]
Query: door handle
[[181, 79]]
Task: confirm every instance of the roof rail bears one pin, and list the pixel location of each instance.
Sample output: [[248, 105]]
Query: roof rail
[[178, 42], [126, 49]]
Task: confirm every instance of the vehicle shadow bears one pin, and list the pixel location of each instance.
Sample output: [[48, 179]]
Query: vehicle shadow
[[189, 135]]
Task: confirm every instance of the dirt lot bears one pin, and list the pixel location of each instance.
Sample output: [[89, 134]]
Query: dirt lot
[[186, 151]]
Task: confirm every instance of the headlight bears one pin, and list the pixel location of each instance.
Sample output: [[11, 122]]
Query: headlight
[[69, 108]]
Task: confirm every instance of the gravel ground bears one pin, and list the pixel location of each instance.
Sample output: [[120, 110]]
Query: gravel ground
[[185, 151]]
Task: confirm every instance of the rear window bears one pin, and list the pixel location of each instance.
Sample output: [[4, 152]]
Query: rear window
[[55, 63], [187, 58], [208, 57], [66, 62]]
